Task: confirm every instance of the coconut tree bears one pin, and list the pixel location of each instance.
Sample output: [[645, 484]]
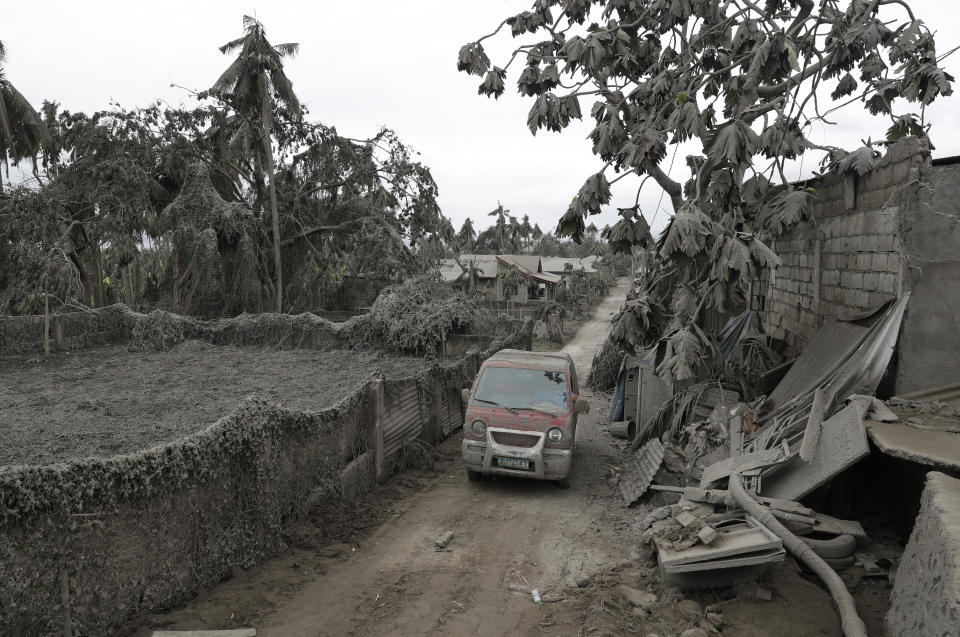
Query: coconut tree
[[256, 86], [502, 223], [467, 236], [21, 130]]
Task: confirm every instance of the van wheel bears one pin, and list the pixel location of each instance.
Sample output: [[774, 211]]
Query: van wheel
[[474, 475], [564, 484]]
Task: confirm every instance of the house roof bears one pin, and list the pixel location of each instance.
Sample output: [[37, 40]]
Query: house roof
[[529, 266], [486, 264], [557, 264]]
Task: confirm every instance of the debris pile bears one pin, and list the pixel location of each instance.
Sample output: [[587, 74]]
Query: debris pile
[[740, 469]]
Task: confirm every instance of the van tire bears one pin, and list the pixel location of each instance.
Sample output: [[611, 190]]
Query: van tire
[[474, 475]]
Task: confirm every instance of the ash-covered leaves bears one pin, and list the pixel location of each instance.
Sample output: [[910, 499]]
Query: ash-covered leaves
[[473, 59], [594, 193], [686, 234], [631, 230], [734, 142], [743, 81]]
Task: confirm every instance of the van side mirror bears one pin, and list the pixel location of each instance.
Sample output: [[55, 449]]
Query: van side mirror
[[580, 406], [465, 396]]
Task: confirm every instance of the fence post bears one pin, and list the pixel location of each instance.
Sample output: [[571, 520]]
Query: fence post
[[437, 417], [379, 421]]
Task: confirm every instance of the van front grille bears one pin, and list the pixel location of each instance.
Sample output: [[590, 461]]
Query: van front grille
[[515, 440]]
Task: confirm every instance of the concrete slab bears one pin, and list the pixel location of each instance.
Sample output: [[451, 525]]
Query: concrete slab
[[842, 443], [926, 593], [938, 449]]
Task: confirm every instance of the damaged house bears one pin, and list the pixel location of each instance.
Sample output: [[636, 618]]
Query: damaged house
[[862, 421]]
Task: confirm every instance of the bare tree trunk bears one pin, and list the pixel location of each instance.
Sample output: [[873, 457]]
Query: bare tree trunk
[[176, 278], [268, 152]]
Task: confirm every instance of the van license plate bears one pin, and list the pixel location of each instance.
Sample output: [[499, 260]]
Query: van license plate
[[514, 463]]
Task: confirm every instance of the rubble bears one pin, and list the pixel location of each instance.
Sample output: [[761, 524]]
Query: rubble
[[739, 469]]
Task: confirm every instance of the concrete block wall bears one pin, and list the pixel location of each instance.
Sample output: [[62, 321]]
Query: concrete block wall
[[849, 257]]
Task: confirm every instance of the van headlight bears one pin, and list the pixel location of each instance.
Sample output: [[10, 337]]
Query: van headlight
[[555, 435], [478, 428]]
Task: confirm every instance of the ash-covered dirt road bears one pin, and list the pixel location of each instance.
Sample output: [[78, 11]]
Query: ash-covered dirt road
[[505, 532]]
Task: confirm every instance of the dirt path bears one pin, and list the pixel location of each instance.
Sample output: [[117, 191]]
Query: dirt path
[[505, 532], [590, 337]]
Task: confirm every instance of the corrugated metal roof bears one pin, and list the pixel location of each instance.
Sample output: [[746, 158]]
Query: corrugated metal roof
[[557, 265], [485, 263]]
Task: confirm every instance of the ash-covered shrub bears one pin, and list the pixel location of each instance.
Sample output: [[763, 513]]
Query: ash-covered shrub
[[157, 331], [414, 316]]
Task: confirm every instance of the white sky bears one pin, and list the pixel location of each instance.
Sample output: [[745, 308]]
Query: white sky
[[363, 65]]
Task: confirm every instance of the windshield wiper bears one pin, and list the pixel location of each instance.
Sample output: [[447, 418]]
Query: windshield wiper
[[542, 411], [495, 404]]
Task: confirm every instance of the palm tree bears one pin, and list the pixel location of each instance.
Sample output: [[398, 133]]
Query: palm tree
[[526, 230], [22, 132], [502, 223], [467, 236], [255, 86]]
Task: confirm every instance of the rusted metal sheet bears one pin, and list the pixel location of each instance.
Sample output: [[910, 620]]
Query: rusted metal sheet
[[404, 420], [639, 469], [451, 416]]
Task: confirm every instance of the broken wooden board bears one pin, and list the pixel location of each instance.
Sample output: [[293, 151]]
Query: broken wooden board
[[836, 526], [770, 556], [842, 443], [758, 459], [735, 540]]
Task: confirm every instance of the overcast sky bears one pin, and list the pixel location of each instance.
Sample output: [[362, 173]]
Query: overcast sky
[[363, 65]]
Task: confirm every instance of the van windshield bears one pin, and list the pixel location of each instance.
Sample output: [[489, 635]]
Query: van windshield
[[519, 388]]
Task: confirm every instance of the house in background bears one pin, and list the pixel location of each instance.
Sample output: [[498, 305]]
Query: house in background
[[484, 268], [558, 265], [540, 284], [492, 275]]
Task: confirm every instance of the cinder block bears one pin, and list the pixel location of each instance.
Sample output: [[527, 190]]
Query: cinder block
[[879, 262], [871, 281], [870, 242], [888, 282], [846, 279], [888, 221], [885, 243], [862, 262], [893, 263], [856, 280]]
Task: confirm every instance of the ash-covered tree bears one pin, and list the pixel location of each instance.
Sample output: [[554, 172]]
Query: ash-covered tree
[[739, 84], [257, 87], [22, 132]]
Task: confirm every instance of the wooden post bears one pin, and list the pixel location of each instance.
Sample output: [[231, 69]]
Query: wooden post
[[46, 324], [65, 603]]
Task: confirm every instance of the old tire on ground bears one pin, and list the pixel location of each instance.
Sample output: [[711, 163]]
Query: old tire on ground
[[474, 475], [834, 548], [839, 563]]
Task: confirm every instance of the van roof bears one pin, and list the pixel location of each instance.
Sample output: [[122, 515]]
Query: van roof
[[549, 360]]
